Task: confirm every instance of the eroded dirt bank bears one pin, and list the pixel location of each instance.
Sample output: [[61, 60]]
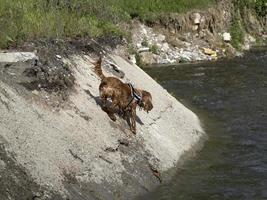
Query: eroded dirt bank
[[223, 30], [57, 143]]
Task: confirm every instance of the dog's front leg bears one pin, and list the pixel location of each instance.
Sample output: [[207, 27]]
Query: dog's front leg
[[133, 119]]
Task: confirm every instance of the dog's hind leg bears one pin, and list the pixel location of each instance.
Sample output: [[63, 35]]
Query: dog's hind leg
[[103, 99], [110, 113], [112, 116], [112, 110], [106, 108]]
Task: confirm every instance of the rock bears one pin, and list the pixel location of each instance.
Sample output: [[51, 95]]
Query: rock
[[196, 18], [35, 92], [165, 47], [166, 60], [209, 37], [148, 58], [195, 27], [12, 57], [210, 52], [246, 46], [143, 30], [175, 42], [139, 45], [249, 39], [58, 57], [143, 49], [116, 70], [239, 54], [2, 165], [172, 30], [184, 58], [226, 37], [202, 21], [187, 44], [132, 59], [230, 50], [161, 38]]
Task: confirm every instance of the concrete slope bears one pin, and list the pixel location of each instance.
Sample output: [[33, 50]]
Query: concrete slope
[[75, 151]]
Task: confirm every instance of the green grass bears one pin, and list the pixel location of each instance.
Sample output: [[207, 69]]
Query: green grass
[[149, 8], [22, 20]]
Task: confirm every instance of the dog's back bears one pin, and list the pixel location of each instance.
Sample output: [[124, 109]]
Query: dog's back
[[114, 88]]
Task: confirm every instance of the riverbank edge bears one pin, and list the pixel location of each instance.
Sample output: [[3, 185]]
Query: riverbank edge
[[223, 30]]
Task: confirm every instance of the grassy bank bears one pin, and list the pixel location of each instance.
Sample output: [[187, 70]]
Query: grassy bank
[[22, 20], [29, 19]]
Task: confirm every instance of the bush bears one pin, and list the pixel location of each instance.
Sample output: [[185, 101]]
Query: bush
[[138, 60], [154, 49], [238, 24], [261, 8], [237, 32]]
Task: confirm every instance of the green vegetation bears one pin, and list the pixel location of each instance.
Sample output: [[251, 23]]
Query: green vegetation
[[22, 20], [144, 43], [237, 32], [154, 49], [146, 9], [238, 25], [258, 6], [30, 19], [138, 60]]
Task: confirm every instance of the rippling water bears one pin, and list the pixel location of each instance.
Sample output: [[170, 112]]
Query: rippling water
[[230, 97]]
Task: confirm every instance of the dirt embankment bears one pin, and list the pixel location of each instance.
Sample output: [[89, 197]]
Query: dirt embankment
[[57, 143], [197, 35]]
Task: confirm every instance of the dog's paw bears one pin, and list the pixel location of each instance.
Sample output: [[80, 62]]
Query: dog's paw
[[113, 117]]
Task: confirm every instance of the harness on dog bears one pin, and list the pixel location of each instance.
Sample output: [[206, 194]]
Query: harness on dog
[[135, 96]]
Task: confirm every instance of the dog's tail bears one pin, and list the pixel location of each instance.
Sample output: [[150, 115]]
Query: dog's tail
[[98, 69]]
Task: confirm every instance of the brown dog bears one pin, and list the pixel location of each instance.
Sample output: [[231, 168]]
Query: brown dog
[[122, 96]]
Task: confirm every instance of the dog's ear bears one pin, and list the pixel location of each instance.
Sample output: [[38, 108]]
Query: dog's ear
[[146, 94]]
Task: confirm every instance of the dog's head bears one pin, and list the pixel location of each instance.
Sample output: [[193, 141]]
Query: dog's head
[[146, 102]]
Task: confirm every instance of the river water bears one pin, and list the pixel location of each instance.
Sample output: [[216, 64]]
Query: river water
[[230, 98]]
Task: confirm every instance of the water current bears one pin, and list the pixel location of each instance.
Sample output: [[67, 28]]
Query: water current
[[230, 98]]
